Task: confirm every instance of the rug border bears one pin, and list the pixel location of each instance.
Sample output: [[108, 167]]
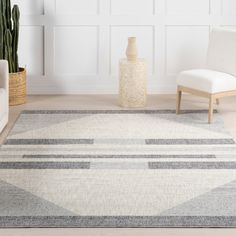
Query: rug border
[[118, 222]]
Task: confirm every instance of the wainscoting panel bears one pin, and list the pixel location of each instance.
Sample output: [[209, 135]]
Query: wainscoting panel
[[229, 7], [29, 7], [186, 48], [77, 7], [31, 50], [74, 46], [188, 6], [79, 47], [130, 7]]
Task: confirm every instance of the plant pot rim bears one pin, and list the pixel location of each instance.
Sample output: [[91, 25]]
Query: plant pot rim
[[21, 70]]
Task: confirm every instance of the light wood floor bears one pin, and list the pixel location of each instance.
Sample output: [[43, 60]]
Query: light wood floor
[[227, 109]]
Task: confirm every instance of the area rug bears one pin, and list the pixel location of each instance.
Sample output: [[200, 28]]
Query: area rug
[[118, 168]]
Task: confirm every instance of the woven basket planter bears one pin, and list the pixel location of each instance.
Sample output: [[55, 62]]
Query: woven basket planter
[[17, 88]]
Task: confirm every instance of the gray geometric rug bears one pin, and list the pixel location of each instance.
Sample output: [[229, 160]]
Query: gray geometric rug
[[118, 168]]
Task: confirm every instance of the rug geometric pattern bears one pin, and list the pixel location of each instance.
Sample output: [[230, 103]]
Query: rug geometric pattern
[[120, 168]]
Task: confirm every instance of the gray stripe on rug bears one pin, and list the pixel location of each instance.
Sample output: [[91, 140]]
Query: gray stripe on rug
[[118, 141], [91, 141], [121, 156], [48, 141], [118, 221], [44, 165], [189, 141], [192, 165], [111, 111], [119, 165]]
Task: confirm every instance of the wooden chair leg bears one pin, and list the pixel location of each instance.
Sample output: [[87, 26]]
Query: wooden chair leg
[[179, 97], [211, 105]]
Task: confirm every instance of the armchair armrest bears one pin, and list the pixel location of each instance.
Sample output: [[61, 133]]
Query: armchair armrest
[[4, 76]]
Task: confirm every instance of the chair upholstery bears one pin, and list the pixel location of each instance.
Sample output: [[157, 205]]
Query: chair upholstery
[[209, 81], [222, 51], [4, 91], [220, 72], [3, 98]]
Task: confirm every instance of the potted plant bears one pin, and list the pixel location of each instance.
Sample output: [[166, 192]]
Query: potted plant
[[9, 38]]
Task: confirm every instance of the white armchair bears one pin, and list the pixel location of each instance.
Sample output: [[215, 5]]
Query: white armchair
[[4, 91], [219, 78]]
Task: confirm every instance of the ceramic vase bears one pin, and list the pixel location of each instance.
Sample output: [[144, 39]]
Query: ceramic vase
[[132, 51]]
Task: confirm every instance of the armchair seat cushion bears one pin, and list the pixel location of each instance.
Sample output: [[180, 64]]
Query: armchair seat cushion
[[205, 80], [3, 102]]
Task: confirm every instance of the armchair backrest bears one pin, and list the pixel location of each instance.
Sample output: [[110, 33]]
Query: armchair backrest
[[222, 51]]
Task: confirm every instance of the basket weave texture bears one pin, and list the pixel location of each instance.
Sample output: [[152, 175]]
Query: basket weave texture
[[17, 88]]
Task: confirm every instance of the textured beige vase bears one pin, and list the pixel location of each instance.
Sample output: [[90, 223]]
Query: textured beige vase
[[132, 51]]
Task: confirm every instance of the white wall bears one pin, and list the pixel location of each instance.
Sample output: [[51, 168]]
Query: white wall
[[73, 46]]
